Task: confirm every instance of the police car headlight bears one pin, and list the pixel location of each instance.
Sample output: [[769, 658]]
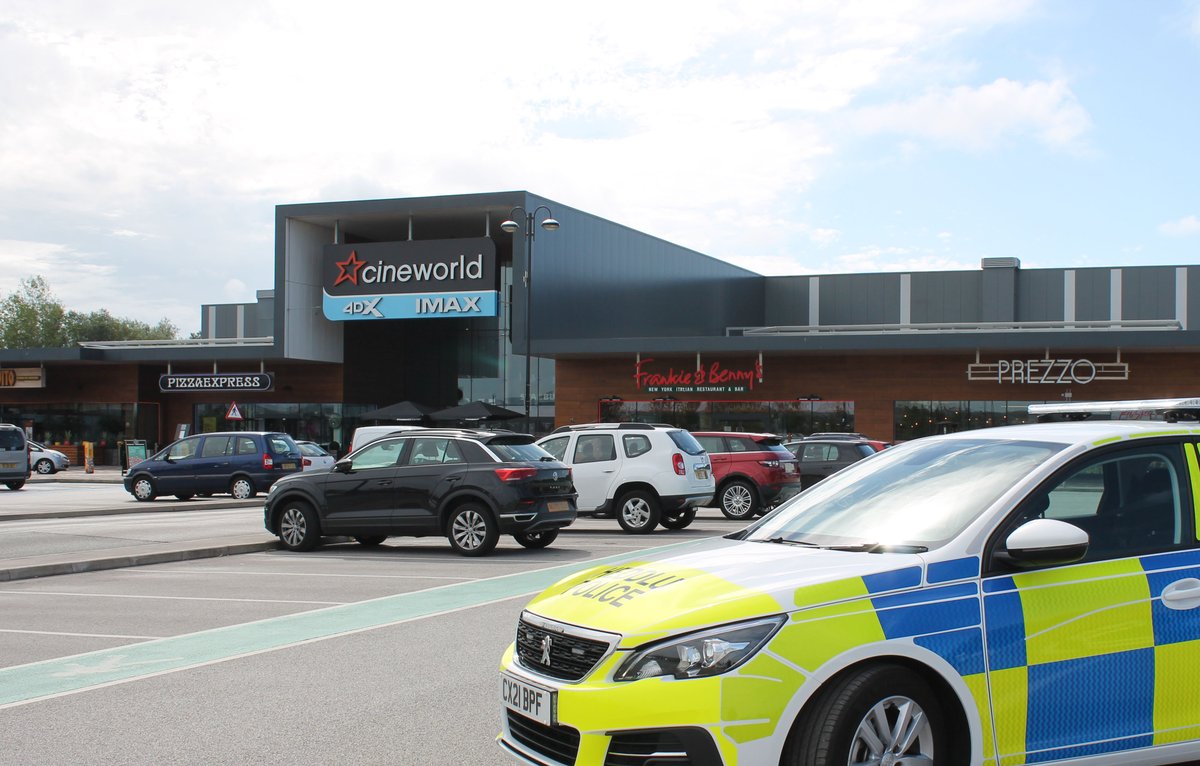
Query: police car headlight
[[698, 655]]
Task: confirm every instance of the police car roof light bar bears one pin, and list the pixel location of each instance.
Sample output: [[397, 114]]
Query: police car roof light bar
[[1173, 410]]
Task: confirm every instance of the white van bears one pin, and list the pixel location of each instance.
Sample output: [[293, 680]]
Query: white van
[[366, 434], [14, 456]]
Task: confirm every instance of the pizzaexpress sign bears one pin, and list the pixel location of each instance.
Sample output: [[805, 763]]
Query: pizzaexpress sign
[[409, 280]]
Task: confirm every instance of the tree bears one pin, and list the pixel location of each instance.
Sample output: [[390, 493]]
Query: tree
[[31, 317]]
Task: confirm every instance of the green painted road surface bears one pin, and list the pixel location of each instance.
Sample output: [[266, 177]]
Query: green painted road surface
[[23, 684]]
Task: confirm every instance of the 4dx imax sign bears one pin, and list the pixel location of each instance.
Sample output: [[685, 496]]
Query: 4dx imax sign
[[410, 280]]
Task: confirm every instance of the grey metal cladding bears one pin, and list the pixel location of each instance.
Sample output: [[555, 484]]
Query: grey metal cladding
[[786, 301], [1148, 292], [226, 321], [998, 290], [1040, 295], [1092, 290], [857, 299], [596, 279], [951, 296]]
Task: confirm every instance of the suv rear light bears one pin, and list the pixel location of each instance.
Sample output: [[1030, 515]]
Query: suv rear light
[[769, 463], [268, 462], [677, 461], [515, 474]]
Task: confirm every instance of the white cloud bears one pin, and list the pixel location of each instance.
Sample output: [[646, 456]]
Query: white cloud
[[1184, 227], [983, 117], [191, 121], [237, 292]]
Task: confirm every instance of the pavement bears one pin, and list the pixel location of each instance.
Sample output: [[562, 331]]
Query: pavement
[[87, 559]]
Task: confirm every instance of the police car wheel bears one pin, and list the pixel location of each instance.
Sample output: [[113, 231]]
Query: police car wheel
[[299, 528], [638, 512], [739, 501], [144, 490], [884, 714], [679, 520], [535, 540], [471, 530]]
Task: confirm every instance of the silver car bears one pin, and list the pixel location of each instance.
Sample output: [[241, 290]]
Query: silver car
[[46, 461]]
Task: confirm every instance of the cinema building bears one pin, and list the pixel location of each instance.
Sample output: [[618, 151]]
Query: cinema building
[[437, 299]]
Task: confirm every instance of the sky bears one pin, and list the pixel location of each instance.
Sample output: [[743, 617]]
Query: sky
[[145, 144]]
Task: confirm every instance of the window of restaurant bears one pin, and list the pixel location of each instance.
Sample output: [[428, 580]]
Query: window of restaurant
[[914, 419], [66, 426], [786, 418]]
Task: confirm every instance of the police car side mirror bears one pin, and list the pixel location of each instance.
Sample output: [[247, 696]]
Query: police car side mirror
[[1044, 542], [343, 466]]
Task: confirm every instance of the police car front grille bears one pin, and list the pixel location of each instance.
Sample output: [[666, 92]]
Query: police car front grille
[[559, 743], [571, 657]]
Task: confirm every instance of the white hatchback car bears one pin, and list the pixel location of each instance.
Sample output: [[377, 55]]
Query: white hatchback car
[[315, 457], [646, 474], [45, 460]]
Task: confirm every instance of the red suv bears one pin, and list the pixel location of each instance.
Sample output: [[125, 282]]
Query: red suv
[[753, 471]]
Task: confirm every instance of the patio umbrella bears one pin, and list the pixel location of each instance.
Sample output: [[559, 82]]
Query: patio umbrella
[[405, 410], [475, 411]]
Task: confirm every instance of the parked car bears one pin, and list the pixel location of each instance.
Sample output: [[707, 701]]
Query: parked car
[[14, 456], [822, 456], [44, 460], [315, 457], [1024, 594], [643, 473], [469, 485], [364, 435], [753, 471], [240, 463], [876, 444]]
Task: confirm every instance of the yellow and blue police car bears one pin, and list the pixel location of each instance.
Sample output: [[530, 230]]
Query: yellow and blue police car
[[1026, 594]]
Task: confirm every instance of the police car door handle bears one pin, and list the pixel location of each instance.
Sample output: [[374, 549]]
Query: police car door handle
[[1182, 594]]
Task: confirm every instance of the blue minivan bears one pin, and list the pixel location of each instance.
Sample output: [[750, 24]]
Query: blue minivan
[[239, 463]]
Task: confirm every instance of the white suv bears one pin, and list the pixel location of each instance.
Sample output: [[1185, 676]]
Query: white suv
[[644, 473]]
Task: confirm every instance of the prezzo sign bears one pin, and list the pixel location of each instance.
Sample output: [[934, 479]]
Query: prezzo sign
[[22, 377], [410, 280], [712, 377], [1047, 371], [224, 381]]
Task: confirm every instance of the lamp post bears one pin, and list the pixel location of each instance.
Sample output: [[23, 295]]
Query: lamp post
[[511, 225]]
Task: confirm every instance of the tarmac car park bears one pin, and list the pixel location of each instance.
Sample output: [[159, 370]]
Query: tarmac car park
[[1012, 595]]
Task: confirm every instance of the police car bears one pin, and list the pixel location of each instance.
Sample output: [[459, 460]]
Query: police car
[[1026, 594]]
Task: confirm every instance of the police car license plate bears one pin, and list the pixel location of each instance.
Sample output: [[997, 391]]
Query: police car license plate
[[557, 506], [527, 699]]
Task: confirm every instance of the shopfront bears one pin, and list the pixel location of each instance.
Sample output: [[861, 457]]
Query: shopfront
[[444, 300]]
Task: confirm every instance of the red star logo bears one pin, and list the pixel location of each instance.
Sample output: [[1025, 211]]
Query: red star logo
[[349, 269]]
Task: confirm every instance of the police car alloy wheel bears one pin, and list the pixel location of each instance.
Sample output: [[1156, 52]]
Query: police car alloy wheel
[[884, 715]]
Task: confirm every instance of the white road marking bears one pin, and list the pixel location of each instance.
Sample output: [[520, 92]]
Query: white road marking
[[77, 635], [164, 598]]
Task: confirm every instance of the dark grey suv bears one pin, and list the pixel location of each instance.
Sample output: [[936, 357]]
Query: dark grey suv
[[822, 456], [470, 486]]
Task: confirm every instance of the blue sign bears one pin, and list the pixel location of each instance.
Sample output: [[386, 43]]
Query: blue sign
[[413, 306]]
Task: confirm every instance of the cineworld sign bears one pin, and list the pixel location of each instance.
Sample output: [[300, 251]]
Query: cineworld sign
[[410, 280], [224, 381]]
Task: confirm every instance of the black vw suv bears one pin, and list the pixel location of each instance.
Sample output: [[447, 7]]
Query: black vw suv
[[470, 485]]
